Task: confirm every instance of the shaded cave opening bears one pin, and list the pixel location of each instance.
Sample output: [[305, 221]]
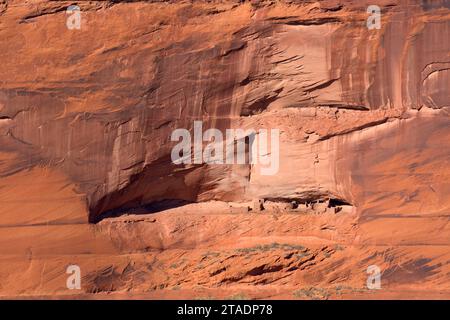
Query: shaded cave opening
[[332, 202], [146, 208]]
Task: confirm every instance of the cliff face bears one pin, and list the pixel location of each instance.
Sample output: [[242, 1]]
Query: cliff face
[[86, 118]]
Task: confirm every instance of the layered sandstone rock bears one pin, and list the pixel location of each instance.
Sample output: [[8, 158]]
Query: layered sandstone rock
[[86, 118]]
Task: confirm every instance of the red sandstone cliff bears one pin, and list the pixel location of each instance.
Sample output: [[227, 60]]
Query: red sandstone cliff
[[85, 123]]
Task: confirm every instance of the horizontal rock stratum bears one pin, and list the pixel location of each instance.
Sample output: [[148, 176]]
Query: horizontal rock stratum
[[87, 114]]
